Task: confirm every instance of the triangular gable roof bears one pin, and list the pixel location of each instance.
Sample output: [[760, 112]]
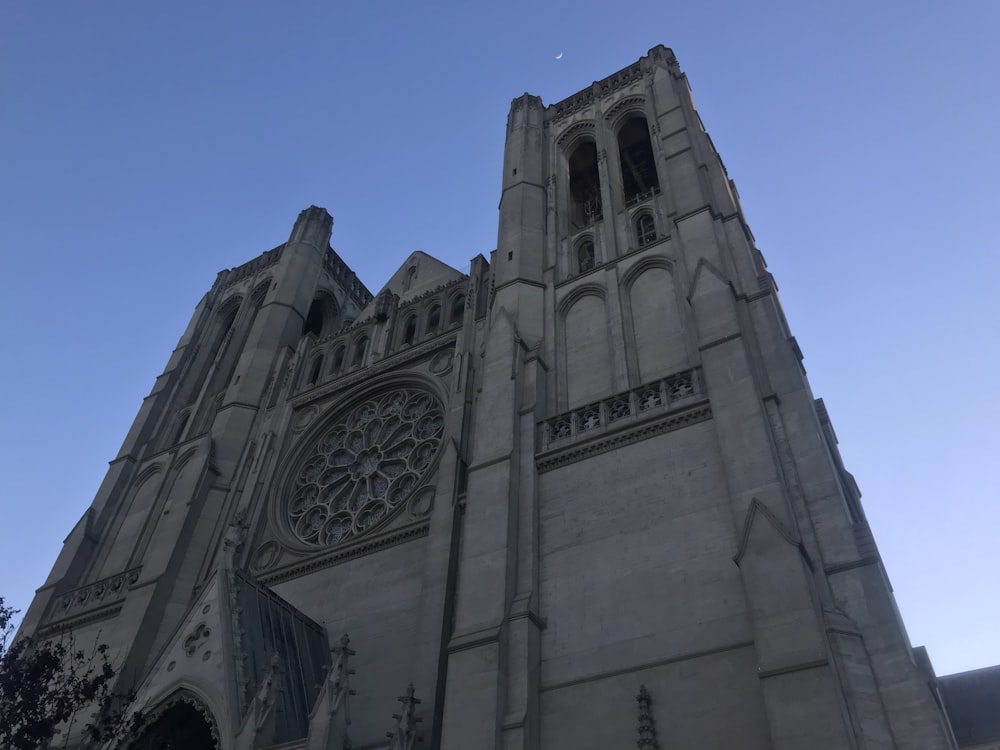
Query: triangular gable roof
[[225, 647], [419, 273]]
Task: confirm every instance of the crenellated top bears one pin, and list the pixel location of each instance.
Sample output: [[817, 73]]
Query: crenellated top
[[251, 268], [609, 85], [337, 268]]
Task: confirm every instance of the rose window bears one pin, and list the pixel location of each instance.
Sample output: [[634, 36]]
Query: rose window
[[364, 466]]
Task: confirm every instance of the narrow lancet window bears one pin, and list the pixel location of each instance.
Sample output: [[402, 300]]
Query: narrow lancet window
[[585, 256], [434, 318], [316, 370], [410, 332], [359, 350], [638, 165], [645, 229], [584, 185], [314, 320], [458, 308], [338, 358]]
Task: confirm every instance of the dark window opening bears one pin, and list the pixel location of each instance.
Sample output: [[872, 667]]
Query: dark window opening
[[314, 320], [316, 369], [338, 357], [645, 230], [584, 185], [359, 350], [434, 319], [585, 256], [457, 308], [410, 332], [181, 725], [639, 179]]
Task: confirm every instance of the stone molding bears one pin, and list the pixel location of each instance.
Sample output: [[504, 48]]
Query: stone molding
[[253, 267], [613, 441], [415, 531], [397, 359], [655, 397], [94, 596]]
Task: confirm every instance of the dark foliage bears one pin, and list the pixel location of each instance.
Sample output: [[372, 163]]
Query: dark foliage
[[48, 685]]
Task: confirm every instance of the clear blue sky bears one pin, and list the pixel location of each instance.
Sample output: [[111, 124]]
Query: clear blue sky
[[145, 146]]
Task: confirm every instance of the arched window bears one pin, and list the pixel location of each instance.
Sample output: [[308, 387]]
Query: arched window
[[183, 724], [314, 320], [338, 358], [584, 185], [585, 256], [317, 368], [645, 229], [410, 332], [434, 318], [638, 165], [457, 308], [359, 350]]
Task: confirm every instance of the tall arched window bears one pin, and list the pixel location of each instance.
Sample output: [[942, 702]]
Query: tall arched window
[[410, 332], [434, 318], [338, 358], [359, 350], [584, 185], [638, 165], [314, 320], [585, 256], [457, 308], [317, 368], [645, 229]]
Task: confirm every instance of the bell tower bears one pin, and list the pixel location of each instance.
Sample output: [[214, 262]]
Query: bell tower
[[656, 504]]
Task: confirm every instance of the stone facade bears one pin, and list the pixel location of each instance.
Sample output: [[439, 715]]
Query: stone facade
[[581, 496]]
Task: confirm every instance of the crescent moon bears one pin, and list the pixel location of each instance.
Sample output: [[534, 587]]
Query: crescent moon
[[559, 56]]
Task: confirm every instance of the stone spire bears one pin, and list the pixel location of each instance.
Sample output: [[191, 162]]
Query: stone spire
[[404, 737], [647, 730], [330, 719]]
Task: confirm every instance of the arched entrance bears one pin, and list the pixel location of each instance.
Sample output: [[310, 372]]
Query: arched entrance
[[182, 726]]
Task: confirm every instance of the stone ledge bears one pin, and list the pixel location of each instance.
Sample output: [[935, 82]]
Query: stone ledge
[[614, 440]]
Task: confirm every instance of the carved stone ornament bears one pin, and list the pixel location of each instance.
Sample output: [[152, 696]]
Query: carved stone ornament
[[363, 467]]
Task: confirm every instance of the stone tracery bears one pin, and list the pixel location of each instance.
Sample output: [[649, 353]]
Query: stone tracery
[[364, 466]]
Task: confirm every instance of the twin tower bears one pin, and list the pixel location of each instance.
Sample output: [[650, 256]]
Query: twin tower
[[580, 497]]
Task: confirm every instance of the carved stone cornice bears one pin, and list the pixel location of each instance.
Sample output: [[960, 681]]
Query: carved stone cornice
[[370, 545], [251, 268], [612, 441], [98, 595], [392, 361]]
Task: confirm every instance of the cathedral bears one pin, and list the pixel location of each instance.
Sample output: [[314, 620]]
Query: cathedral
[[577, 495]]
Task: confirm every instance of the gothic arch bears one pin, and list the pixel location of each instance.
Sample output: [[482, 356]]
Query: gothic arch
[[629, 277], [456, 307], [654, 320], [357, 352], [259, 291], [433, 315], [584, 257], [567, 140], [322, 314], [229, 306], [623, 110], [584, 346], [184, 717]]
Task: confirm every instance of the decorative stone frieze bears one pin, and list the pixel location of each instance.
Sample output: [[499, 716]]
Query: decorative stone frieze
[[93, 596]]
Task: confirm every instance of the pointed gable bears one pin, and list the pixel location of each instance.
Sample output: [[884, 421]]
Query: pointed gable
[[226, 648], [418, 274]]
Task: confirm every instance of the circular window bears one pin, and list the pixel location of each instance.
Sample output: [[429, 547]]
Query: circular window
[[363, 466]]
